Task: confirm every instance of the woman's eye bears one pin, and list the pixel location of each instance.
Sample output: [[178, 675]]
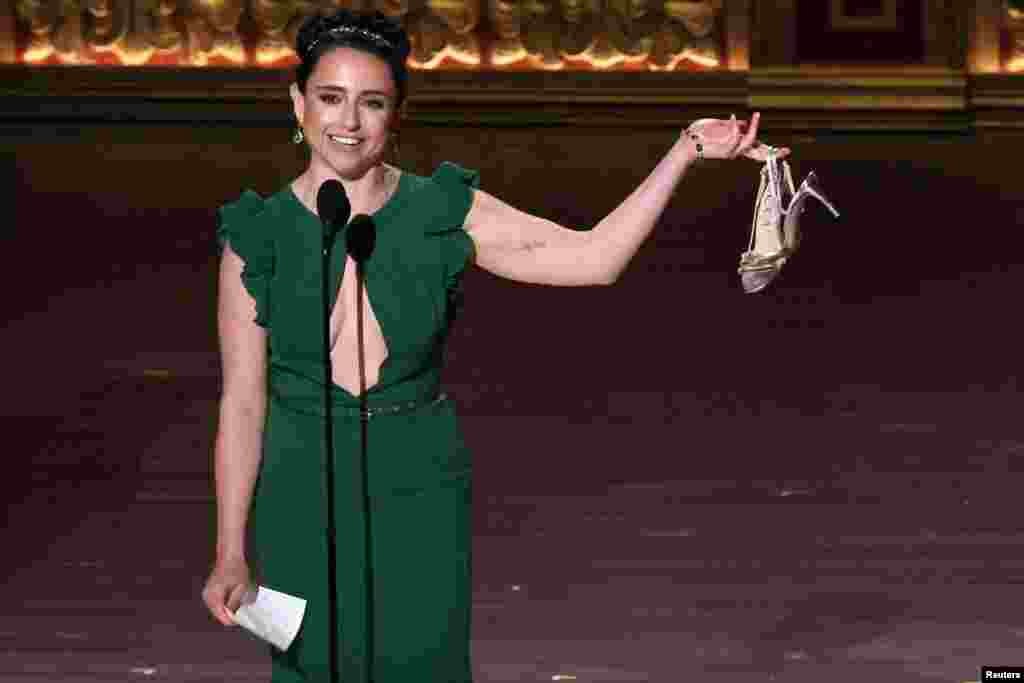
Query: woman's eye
[[330, 99], [375, 104]]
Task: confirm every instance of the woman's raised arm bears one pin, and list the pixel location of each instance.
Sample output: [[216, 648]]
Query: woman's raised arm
[[518, 246]]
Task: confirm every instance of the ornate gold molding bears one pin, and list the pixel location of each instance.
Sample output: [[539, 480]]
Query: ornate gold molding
[[507, 62], [798, 99], [984, 35], [998, 101], [479, 35], [436, 97], [1013, 31], [628, 35], [850, 88], [879, 98]]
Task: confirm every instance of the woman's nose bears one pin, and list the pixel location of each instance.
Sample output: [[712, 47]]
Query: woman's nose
[[350, 115]]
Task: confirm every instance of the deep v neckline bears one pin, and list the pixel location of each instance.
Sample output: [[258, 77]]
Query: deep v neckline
[[341, 264]]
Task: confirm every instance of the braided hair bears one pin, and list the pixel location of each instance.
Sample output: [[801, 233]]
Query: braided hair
[[373, 33]]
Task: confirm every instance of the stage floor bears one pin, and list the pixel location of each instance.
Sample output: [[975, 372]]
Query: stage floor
[[637, 534], [672, 481]]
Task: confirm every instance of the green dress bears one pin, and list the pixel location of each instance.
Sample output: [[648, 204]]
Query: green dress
[[418, 465]]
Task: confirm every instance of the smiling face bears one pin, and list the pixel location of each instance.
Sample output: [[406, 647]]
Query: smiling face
[[347, 112]]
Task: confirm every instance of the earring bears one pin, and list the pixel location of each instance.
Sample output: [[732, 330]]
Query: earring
[[298, 136]]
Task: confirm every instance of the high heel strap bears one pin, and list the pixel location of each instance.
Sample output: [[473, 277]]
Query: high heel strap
[[775, 181]]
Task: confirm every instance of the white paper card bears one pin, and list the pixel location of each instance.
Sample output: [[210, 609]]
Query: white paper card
[[271, 615]]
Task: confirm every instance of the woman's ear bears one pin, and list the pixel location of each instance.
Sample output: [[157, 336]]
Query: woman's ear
[[298, 103]]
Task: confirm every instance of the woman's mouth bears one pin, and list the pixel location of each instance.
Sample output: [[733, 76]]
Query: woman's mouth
[[343, 140]]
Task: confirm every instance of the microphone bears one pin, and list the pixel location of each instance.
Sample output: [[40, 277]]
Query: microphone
[[362, 237], [333, 206]]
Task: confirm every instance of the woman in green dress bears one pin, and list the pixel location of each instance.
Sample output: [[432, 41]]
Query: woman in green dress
[[269, 466]]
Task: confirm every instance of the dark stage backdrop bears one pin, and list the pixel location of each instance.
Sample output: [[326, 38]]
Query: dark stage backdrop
[[915, 289], [861, 31], [927, 219]]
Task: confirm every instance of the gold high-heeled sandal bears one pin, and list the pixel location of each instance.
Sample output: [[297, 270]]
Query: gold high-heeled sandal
[[775, 233]]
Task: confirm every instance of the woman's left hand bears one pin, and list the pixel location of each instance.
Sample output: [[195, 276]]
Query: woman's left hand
[[731, 138]]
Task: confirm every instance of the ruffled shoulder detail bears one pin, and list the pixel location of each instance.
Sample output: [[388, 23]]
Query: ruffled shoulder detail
[[454, 185], [248, 205], [444, 212], [241, 224]]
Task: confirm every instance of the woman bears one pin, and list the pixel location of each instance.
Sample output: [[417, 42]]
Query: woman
[[349, 88]]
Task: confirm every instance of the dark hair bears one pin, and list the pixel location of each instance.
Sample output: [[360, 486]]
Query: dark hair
[[370, 32]]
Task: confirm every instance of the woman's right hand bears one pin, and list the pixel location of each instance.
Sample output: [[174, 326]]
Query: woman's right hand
[[731, 138], [225, 588]]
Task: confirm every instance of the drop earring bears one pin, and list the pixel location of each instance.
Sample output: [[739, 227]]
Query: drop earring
[[298, 136]]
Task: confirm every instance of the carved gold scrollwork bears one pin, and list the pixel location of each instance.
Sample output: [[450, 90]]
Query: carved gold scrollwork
[[1014, 22], [523, 34], [506, 17], [8, 33], [698, 20], [168, 32], [443, 30], [39, 17], [213, 31], [526, 33], [686, 33], [581, 29], [68, 41], [276, 22], [631, 26], [104, 23], [541, 31], [460, 18], [137, 46]]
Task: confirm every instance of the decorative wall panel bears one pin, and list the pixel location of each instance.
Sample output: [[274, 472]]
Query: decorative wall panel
[[809, 64], [647, 35], [860, 31], [1012, 37]]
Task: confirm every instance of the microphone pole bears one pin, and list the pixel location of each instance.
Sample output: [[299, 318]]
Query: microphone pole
[[362, 237], [334, 209]]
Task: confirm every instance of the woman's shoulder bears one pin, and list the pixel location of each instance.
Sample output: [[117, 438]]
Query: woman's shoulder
[[450, 175], [442, 199], [249, 205], [253, 209], [444, 176]]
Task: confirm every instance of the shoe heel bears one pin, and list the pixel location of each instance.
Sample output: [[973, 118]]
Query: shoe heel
[[812, 186]]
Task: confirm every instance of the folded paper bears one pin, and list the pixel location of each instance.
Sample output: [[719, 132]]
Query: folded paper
[[271, 615]]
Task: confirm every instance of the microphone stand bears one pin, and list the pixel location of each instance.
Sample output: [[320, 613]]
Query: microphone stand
[[364, 422], [361, 241], [332, 580]]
